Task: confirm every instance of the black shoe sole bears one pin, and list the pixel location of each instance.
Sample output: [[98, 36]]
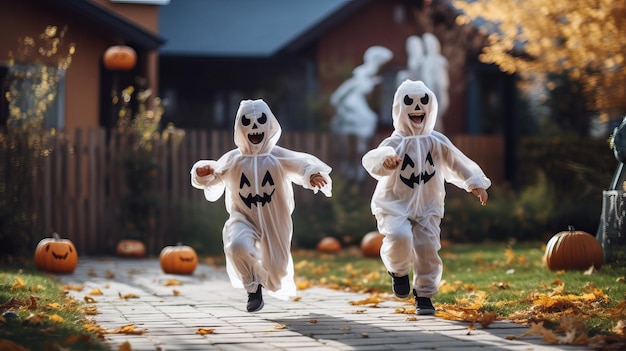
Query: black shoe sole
[[258, 308]]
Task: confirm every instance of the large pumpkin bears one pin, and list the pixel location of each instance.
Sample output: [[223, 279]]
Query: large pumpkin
[[56, 255], [179, 259], [131, 248], [371, 243], [120, 58], [573, 250], [329, 245]]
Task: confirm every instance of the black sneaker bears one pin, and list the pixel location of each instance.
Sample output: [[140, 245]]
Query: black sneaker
[[400, 285], [423, 305], [255, 300]]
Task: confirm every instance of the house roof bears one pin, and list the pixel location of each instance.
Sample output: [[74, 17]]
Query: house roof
[[107, 22], [243, 28]]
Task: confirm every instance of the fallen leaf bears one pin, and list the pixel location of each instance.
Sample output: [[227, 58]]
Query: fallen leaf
[[35, 319], [175, 292], [365, 335], [125, 346], [280, 326], [53, 306], [313, 321], [73, 287], [172, 282], [127, 296], [129, 329], [20, 283], [95, 291], [204, 331], [89, 299], [591, 270], [56, 318]]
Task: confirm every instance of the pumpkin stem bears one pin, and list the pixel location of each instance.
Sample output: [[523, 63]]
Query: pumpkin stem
[[571, 228], [56, 236]]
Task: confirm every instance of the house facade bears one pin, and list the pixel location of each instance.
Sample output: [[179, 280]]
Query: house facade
[[85, 88]]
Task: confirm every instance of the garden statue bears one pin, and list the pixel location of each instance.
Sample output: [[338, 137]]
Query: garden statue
[[434, 73], [353, 114], [612, 229], [414, 58]]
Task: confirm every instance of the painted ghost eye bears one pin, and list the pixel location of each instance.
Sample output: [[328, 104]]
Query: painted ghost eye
[[245, 121], [425, 99], [407, 100], [262, 119]]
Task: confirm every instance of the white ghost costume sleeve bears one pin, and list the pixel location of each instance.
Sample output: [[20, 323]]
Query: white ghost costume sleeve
[[256, 179]]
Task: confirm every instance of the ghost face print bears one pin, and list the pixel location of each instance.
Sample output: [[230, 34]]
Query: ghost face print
[[255, 127], [414, 108]]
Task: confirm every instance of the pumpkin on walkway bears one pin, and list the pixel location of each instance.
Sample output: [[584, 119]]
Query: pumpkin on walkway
[[131, 248], [179, 259], [56, 255], [573, 250]]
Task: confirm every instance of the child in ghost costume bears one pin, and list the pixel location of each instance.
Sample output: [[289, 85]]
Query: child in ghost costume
[[411, 166], [256, 178]]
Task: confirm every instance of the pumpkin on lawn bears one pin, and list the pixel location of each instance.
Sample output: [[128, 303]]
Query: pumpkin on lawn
[[179, 259], [573, 250], [56, 255], [329, 244], [130, 248], [371, 243]]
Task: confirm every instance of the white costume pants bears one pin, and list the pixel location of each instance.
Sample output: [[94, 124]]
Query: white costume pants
[[244, 247], [410, 244]]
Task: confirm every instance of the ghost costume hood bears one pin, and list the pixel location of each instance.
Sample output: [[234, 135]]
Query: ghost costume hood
[[414, 109], [415, 188], [256, 179]]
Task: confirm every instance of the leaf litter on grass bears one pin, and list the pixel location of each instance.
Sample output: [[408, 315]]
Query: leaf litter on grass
[[551, 311]]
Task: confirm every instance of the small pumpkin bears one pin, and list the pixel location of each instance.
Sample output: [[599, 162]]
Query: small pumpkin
[[179, 259], [120, 58], [56, 255], [371, 243], [130, 248], [573, 250], [329, 244]]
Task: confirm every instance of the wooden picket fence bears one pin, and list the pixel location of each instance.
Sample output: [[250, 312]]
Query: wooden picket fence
[[81, 185]]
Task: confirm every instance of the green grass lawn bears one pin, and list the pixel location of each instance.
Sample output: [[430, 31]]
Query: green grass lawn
[[512, 281], [36, 315]]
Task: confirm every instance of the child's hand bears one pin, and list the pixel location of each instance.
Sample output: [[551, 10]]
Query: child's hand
[[392, 161], [204, 171], [481, 194], [318, 181]]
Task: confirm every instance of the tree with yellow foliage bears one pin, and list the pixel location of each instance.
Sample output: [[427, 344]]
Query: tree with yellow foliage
[[583, 39]]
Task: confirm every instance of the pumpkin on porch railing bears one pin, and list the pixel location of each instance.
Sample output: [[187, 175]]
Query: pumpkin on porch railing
[[179, 259], [119, 58], [371, 243], [329, 244], [573, 250], [56, 255], [131, 248]]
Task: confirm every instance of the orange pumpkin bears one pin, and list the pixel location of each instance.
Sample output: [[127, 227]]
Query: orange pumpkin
[[131, 248], [573, 250], [56, 255], [120, 58], [329, 245], [371, 243], [179, 259]]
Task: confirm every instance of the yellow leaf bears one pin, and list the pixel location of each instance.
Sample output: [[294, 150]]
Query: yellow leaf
[[56, 318], [73, 287], [204, 331], [621, 279], [297, 298], [125, 346], [129, 329], [89, 299], [20, 283], [53, 306], [95, 291], [280, 326], [90, 310], [172, 282], [127, 296]]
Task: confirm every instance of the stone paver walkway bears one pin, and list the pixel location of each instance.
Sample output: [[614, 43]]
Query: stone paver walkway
[[320, 319]]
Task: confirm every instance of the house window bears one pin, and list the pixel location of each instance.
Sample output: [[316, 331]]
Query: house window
[[36, 95]]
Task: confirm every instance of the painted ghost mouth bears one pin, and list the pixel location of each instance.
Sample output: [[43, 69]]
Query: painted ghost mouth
[[256, 138], [417, 118]]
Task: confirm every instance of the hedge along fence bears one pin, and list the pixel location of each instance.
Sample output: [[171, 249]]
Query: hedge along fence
[[86, 186]]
